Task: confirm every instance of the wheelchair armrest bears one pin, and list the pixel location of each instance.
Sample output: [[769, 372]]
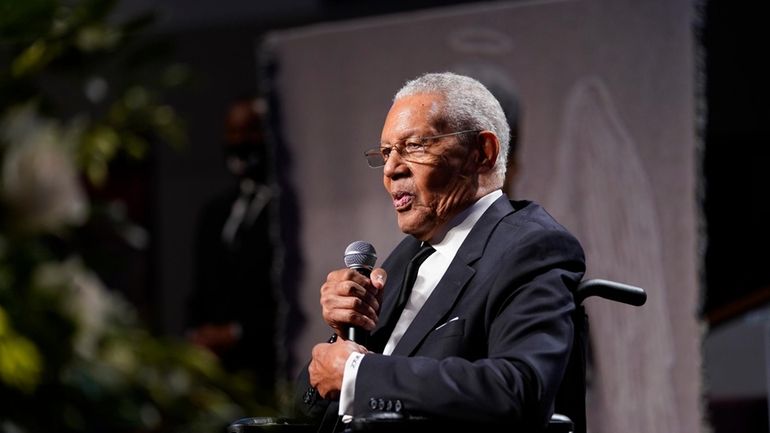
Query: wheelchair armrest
[[389, 422], [611, 290], [560, 424], [393, 422], [270, 425]]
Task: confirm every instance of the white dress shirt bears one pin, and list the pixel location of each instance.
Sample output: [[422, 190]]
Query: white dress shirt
[[446, 243]]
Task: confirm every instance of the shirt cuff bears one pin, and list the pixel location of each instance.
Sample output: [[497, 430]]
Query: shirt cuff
[[347, 393]]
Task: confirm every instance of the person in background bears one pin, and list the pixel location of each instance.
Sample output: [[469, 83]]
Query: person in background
[[234, 308], [470, 315]]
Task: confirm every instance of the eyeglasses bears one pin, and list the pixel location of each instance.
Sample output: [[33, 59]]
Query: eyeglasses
[[410, 149]]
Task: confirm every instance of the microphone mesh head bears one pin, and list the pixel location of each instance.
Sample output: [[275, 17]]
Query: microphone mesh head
[[360, 254]]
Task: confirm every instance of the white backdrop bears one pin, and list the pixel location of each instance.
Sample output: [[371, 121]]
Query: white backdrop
[[606, 89]]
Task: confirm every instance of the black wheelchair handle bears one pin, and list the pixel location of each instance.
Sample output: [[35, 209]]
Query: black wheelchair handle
[[271, 425], [611, 290]]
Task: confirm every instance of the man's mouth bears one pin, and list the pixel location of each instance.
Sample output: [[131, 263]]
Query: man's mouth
[[402, 200]]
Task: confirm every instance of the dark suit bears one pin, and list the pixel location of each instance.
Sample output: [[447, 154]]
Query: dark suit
[[503, 357], [233, 284]]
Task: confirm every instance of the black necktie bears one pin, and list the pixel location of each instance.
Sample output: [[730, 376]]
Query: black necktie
[[406, 289], [411, 275]]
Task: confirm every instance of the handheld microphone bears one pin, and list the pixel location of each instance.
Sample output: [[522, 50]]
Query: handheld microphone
[[361, 257]]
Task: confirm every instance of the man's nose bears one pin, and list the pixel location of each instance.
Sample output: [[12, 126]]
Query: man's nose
[[393, 165]]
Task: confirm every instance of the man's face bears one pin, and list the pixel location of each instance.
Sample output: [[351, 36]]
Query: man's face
[[243, 141], [428, 193]]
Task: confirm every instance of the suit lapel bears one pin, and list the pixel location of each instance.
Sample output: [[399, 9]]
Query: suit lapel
[[451, 285], [436, 307]]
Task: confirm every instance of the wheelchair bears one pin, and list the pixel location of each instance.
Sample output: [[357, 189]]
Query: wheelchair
[[569, 410]]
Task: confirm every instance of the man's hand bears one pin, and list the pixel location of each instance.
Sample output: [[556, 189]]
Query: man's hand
[[350, 299], [328, 365]]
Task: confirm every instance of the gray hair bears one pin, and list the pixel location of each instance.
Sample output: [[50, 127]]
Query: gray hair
[[468, 104]]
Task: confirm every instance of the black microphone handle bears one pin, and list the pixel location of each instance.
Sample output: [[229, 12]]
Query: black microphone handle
[[354, 333]]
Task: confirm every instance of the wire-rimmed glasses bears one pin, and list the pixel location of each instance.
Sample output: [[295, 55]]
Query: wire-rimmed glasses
[[410, 149]]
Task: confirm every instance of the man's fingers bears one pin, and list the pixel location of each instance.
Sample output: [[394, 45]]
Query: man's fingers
[[351, 299], [378, 277], [367, 305], [326, 368], [364, 302], [353, 318], [367, 293], [351, 295]]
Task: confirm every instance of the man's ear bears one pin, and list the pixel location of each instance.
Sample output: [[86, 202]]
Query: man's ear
[[489, 148]]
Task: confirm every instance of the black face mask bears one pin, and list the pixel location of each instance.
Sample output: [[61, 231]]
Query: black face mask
[[251, 155]]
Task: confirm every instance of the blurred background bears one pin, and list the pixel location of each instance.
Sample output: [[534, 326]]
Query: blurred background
[[122, 142]]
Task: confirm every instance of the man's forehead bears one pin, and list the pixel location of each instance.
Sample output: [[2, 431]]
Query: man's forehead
[[410, 115]]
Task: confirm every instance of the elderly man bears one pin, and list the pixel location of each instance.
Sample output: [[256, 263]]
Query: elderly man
[[485, 330]]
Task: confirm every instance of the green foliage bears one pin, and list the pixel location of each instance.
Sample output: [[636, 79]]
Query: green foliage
[[68, 59], [78, 91]]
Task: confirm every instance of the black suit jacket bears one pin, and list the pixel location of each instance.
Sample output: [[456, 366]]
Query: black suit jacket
[[492, 342]]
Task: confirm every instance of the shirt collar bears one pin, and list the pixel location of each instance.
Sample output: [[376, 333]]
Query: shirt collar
[[457, 228]]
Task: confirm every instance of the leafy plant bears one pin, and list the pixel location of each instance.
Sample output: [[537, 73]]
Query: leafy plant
[[78, 92]]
